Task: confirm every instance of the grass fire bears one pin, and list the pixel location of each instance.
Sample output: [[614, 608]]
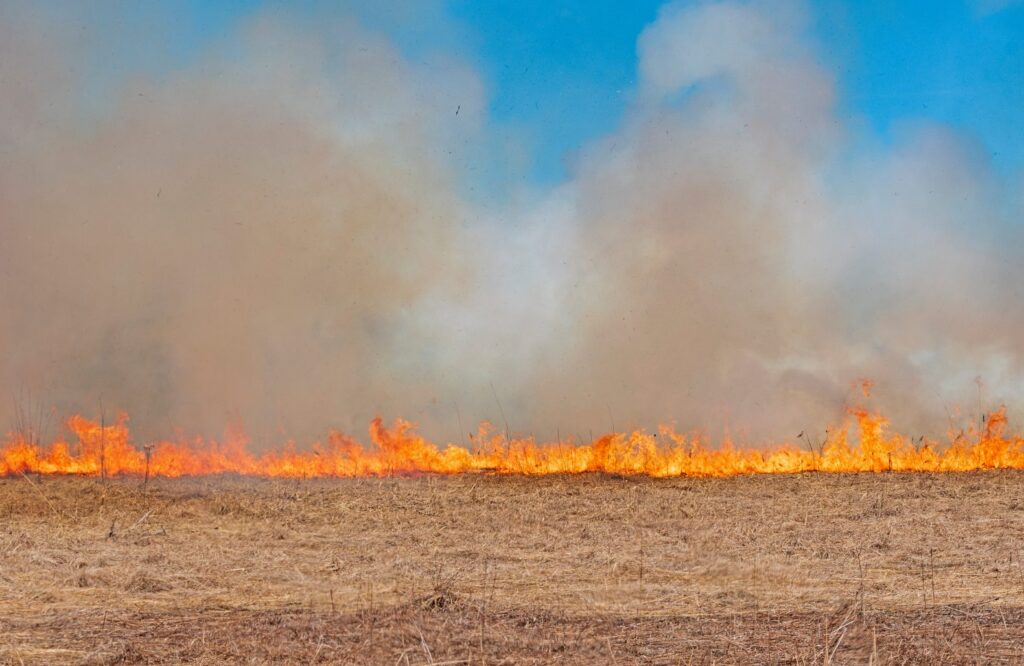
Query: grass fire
[[100, 449], [437, 332]]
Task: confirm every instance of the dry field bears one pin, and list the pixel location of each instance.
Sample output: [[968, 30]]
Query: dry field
[[810, 569]]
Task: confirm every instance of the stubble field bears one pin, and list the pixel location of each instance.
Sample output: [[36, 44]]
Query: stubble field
[[474, 569]]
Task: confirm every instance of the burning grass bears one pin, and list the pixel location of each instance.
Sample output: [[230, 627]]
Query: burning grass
[[894, 568], [862, 444]]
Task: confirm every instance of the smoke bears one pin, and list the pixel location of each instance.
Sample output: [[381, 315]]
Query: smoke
[[276, 231], [740, 254], [245, 236]]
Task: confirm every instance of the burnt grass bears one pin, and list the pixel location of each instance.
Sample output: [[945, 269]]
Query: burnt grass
[[801, 569]]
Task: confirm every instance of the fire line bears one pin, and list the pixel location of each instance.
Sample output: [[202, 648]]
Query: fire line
[[862, 444]]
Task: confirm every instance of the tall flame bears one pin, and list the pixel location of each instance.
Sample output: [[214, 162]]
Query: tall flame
[[107, 449]]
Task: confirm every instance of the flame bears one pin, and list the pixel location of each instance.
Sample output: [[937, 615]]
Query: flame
[[101, 449]]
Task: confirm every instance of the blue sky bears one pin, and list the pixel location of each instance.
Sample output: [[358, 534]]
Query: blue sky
[[567, 72], [561, 73]]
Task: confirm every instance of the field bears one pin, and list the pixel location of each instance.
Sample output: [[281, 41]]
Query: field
[[474, 569]]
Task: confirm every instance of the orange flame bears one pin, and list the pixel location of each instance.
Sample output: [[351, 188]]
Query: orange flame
[[107, 449]]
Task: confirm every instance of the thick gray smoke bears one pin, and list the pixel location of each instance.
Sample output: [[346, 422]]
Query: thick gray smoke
[[275, 232], [727, 258], [244, 237]]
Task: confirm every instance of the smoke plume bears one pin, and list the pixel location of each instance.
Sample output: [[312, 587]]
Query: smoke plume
[[276, 232]]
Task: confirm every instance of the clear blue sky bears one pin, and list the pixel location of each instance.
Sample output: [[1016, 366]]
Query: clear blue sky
[[560, 72]]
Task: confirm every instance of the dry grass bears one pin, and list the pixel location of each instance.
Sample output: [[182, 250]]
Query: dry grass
[[810, 569]]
